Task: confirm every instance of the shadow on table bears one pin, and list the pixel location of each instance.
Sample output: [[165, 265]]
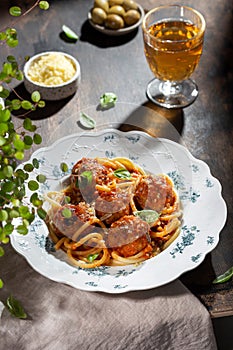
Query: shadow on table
[[156, 121], [91, 35], [51, 107]]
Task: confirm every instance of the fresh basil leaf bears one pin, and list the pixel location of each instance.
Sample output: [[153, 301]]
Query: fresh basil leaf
[[64, 167], [67, 199], [149, 216], [15, 307], [67, 213], [86, 175], [122, 173], [69, 32], [92, 257], [224, 277], [87, 121], [108, 99]]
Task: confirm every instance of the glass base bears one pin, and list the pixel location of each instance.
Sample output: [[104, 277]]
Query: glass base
[[172, 95]]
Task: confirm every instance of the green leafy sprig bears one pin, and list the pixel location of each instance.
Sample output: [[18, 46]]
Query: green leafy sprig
[[14, 143]]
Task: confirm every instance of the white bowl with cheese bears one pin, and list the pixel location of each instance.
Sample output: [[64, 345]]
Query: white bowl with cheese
[[56, 75]]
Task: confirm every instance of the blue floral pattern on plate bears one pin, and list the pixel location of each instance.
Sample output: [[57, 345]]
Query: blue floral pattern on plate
[[200, 195]]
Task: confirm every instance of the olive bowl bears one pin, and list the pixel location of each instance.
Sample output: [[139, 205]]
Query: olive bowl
[[117, 32], [56, 91]]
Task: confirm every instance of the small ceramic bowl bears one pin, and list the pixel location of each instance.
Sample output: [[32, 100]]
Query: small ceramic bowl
[[56, 91]]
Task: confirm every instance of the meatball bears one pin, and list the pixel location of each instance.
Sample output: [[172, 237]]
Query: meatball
[[112, 205], [153, 192], [128, 235], [67, 226], [86, 173]]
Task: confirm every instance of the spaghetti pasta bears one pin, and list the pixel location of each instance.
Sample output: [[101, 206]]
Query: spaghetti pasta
[[113, 213]]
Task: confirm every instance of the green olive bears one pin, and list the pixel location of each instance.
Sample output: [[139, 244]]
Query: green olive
[[98, 15], [115, 2], [131, 17], [117, 9], [103, 4], [114, 21], [130, 5]]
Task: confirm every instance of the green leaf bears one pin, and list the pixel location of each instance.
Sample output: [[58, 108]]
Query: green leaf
[[5, 115], [1, 251], [67, 199], [3, 215], [15, 11], [224, 277], [27, 124], [33, 185], [2, 36], [41, 178], [92, 257], [15, 307], [69, 32], [122, 173], [5, 240], [23, 210], [28, 167], [8, 186], [64, 167], [1, 283], [8, 171], [19, 144], [2, 140], [19, 155], [14, 214], [28, 140], [12, 42], [11, 59], [26, 105], [87, 176], [3, 128], [15, 104], [44, 5], [7, 68], [35, 96], [108, 99], [22, 229], [41, 104], [37, 139], [8, 229], [87, 121], [4, 93], [34, 199], [41, 213], [11, 32], [35, 163], [150, 216], [19, 75], [67, 213]]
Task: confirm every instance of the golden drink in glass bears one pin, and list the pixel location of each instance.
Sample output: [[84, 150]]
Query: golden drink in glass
[[173, 41]]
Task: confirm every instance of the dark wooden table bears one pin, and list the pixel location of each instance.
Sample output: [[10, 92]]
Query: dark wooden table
[[118, 64]]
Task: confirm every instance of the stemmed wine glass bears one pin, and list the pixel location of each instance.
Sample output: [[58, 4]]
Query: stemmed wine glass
[[173, 40]]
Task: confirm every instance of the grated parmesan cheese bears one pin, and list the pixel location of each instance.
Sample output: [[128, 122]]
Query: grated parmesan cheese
[[52, 69]]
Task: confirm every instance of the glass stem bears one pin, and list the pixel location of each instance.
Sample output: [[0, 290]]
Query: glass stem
[[168, 88]]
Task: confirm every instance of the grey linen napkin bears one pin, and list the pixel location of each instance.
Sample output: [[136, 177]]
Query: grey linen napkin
[[61, 317]]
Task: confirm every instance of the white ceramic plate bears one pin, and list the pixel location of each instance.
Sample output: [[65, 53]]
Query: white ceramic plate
[[199, 191], [117, 32]]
